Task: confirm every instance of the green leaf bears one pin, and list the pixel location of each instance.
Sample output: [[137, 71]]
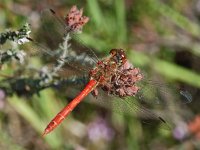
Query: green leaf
[[95, 12], [176, 17], [121, 20], [26, 111]]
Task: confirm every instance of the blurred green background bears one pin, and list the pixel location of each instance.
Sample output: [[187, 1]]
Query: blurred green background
[[160, 36]]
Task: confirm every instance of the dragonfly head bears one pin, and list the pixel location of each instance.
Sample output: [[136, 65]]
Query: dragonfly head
[[118, 55]]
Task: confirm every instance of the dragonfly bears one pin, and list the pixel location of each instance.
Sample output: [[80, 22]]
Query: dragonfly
[[114, 74]]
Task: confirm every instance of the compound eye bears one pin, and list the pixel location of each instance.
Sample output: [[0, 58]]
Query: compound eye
[[113, 52], [122, 54]]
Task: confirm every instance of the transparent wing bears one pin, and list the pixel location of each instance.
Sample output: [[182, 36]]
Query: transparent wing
[[53, 29], [156, 93], [53, 45], [51, 48], [70, 61], [152, 102], [65, 29], [131, 106]]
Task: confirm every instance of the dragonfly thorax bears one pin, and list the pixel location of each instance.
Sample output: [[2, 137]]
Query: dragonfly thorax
[[108, 67]]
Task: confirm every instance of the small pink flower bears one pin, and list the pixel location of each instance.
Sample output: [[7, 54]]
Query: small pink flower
[[74, 19]]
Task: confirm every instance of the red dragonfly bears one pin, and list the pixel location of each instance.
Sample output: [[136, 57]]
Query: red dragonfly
[[114, 74]]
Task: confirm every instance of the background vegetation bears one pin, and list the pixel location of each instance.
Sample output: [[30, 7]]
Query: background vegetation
[[160, 36]]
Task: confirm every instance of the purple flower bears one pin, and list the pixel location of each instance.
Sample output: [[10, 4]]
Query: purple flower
[[99, 130], [2, 98], [181, 131]]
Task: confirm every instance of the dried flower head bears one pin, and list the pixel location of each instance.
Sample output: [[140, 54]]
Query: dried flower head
[[116, 75], [124, 82], [74, 19]]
